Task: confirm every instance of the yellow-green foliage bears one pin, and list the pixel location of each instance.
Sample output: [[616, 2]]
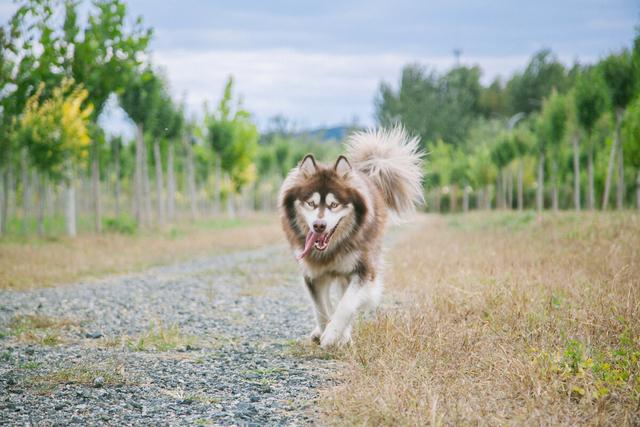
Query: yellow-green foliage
[[55, 129]]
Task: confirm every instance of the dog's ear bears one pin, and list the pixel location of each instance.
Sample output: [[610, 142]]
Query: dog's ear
[[308, 165], [342, 166]]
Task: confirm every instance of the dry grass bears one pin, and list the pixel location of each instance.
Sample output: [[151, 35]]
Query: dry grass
[[38, 329], [36, 262], [503, 320], [110, 375], [157, 338]]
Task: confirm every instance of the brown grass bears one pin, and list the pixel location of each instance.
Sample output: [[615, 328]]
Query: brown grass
[[38, 329], [111, 375], [504, 319], [37, 262]]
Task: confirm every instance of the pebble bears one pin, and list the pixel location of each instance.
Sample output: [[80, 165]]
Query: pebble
[[98, 382]]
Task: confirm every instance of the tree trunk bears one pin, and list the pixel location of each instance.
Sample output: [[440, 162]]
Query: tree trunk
[[576, 171], [157, 160], [218, 170], [504, 186], [41, 180], [171, 183], [591, 199], [146, 186], [12, 194], [540, 186], [26, 190], [95, 187], [70, 202], [6, 189], [191, 178], [117, 188], [520, 185], [231, 208], [465, 199], [607, 182], [620, 182], [138, 205], [554, 190], [509, 190], [454, 198], [638, 189], [487, 200], [499, 192]]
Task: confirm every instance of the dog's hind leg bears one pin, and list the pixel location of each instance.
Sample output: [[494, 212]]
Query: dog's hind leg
[[319, 292]]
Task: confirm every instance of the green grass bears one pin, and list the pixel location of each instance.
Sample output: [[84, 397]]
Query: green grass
[[590, 372], [30, 365], [18, 229], [509, 221]]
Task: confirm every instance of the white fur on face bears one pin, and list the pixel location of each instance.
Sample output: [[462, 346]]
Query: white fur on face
[[334, 211], [331, 210]]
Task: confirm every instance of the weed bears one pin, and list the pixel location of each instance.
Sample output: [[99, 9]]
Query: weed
[[81, 375], [161, 338]]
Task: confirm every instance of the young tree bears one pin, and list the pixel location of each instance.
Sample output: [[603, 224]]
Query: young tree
[[590, 102], [502, 153], [167, 125], [573, 130], [618, 74], [553, 129], [28, 58], [523, 142], [102, 59], [541, 148], [55, 132], [631, 132], [526, 90], [140, 100], [233, 138]]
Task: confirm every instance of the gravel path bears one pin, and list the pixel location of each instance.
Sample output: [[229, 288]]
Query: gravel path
[[213, 341]]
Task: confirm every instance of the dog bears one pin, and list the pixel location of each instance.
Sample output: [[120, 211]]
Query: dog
[[334, 217]]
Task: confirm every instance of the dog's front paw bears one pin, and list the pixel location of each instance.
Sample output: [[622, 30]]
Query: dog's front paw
[[333, 338], [315, 335]]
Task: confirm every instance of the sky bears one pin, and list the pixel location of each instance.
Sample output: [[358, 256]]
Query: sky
[[320, 63]]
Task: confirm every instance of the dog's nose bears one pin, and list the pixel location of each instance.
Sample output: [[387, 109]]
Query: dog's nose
[[319, 225]]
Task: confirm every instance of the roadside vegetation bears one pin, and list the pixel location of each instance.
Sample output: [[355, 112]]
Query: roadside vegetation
[[35, 262], [502, 319]]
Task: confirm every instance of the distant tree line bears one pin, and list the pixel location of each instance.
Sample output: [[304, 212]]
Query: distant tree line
[[60, 171], [549, 136], [525, 142]]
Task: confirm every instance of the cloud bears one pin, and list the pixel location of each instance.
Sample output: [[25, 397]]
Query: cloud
[[311, 88]]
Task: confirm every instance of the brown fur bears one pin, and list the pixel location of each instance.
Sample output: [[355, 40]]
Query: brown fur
[[363, 233]]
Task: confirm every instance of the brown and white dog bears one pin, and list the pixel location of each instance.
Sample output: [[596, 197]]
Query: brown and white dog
[[334, 217]]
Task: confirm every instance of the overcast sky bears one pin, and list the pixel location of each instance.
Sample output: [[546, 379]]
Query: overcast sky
[[320, 63]]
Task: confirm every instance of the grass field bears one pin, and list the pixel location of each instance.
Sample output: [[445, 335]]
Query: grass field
[[34, 262], [490, 318], [502, 319]]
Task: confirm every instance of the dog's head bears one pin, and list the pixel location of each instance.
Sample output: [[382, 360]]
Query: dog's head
[[322, 203]]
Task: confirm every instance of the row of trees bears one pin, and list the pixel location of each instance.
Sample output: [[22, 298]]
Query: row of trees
[[517, 144], [57, 74], [523, 143]]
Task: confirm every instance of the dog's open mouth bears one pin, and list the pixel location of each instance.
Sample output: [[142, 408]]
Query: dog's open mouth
[[319, 241]]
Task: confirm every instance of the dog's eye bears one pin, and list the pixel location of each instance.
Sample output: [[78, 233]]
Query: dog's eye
[[334, 205], [311, 204]]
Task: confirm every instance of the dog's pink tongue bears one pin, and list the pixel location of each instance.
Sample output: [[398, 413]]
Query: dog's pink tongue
[[308, 244]]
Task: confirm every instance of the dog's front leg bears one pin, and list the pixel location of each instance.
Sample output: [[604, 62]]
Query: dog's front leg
[[318, 290], [338, 331]]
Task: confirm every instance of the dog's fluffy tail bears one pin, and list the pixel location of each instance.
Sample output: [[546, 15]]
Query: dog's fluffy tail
[[393, 160]]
